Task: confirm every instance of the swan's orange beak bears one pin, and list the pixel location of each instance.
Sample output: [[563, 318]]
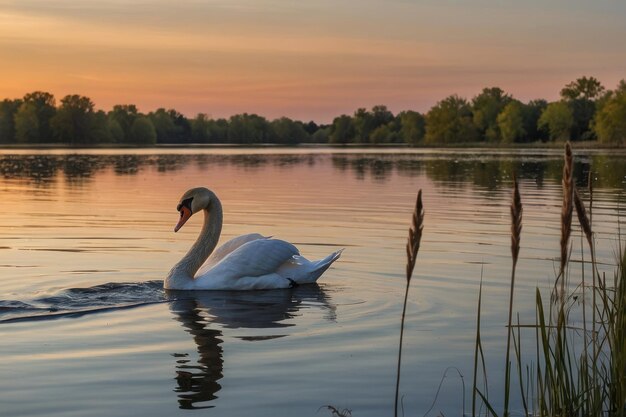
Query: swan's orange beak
[[185, 214]]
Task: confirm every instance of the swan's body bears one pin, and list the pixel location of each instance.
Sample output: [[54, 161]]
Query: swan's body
[[247, 262]]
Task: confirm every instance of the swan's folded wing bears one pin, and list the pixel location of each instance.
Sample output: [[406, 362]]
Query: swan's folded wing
[[228, 247], [253, 259]]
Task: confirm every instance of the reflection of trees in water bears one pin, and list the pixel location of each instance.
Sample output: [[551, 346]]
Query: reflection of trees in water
[[449, 170], [79, 169], [36, 167], [200, 313], [485, 172], [171, 162], [377, 167], [127, 164]]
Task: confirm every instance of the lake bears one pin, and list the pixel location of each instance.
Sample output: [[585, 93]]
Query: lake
[[86, 238]]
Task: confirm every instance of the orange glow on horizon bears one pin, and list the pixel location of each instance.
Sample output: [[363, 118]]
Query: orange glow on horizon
[[222, 61]]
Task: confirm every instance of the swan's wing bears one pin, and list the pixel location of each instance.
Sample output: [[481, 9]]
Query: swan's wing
[[223, 251], [257, 258]]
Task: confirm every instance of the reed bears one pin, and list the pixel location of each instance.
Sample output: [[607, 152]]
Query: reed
[[565, 382], [516, 231], [566, 212], [412, 248]]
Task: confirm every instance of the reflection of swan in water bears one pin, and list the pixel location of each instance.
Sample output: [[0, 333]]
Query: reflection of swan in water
[[198, 310], [248, 262]]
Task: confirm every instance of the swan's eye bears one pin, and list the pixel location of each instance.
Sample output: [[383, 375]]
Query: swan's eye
[[185, 203]]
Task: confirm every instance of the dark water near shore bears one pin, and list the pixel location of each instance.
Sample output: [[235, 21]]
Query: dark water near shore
[[86, 239]]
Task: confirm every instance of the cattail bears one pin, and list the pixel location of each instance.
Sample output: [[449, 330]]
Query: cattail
[[516, 221], [415, 236], [583, 219], [567, 209]]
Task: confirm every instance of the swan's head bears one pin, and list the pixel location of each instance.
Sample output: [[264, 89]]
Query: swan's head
[[193, 201]]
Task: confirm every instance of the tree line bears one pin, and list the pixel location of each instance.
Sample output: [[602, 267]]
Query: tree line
[[586, 110]]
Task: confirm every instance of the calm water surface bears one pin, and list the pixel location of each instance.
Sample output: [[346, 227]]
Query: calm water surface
[[86, 239]]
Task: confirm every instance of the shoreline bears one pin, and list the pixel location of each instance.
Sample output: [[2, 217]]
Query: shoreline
[[581, 145]]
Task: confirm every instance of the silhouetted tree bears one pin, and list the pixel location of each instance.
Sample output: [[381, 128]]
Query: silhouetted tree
[[142, 131], [288, 132], [101, 128], [558, 120], [485, 107], [166, 129], [580, 95], [342, 130], [218, 130], [450, 121], [610, 120], [532, 113], [26, 123], [311, 127], [200, 128], [44, 106], [124, 115], [511, 122], [412, 127], [321, 135], [8, 109], [74, 120], [248, 128]]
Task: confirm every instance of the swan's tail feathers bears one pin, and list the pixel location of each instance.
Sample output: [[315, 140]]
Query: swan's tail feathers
[[327, 261], [303, 271]]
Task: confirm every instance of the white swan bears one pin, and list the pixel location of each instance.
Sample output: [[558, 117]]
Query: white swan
[[248, 262]]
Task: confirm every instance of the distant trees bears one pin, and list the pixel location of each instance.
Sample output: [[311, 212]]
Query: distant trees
[[557, 119], [450, 121], [288, 132], [486, 107], [74, 120], [585, 111], [610, 120], [532, 113], [39, 105], [27, 124], [342, 130], [510, 122], [248, 129], [581, 96], [412, 127], [142, 131], [8, 109], [171, 126], [122, 117]]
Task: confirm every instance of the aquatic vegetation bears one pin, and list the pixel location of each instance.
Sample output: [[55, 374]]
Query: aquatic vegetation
[[412, 248], [578, 371]]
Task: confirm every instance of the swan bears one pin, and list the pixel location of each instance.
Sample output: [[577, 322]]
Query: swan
[[247, 262]]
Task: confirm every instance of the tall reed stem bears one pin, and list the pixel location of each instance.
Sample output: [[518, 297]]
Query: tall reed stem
[[516, 230], [566, 212], [412, 247]]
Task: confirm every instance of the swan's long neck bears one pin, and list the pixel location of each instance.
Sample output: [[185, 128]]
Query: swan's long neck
[[182, 274]]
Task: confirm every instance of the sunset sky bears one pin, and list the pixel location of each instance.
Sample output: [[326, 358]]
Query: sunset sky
[[305, 59]]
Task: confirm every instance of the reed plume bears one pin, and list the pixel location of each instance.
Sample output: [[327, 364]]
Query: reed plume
[[516, 221], [415, 236], [583, 219], [412, 247]]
